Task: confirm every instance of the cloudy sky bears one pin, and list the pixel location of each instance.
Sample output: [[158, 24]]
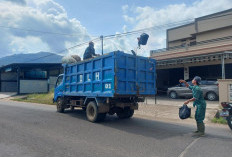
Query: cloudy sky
[[30, 26]]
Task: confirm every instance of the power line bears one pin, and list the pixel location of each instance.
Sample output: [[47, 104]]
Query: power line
[[121, 34], [54, 33], [109, 37], [38, 31], [167, 25], [147, 29], [78, 45]]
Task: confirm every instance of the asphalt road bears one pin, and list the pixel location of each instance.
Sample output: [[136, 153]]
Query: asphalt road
[[36, 130]]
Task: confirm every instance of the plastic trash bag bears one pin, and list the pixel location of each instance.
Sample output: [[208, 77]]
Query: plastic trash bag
[[184, 112], [71, 59], [143, 39]]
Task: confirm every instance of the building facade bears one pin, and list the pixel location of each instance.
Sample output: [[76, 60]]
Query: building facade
[[24, 78], [203, 47]]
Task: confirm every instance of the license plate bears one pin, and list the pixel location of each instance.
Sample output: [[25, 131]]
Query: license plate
[[224, 113]]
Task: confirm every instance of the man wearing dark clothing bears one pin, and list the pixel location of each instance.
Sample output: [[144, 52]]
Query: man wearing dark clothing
[[89, 51]]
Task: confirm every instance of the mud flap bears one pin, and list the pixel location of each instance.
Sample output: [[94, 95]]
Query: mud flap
[[103, 108]]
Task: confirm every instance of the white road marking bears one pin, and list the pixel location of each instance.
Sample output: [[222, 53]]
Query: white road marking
[[188, 147]]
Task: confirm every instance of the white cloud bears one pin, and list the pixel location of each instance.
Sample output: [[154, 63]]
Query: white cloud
[[49, 16], [21, 2], [28, 44], [128, 19], [125, 8], [42, 15], [145, 17]]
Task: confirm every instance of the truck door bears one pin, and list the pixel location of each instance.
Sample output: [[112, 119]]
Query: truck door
[[59, 87]]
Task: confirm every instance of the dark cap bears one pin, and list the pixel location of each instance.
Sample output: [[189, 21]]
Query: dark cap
[[91, 43], [197, 79]]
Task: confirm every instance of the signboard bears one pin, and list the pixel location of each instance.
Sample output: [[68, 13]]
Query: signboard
[[230, 92]]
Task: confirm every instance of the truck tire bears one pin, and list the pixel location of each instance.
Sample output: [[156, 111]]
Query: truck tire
[[131, 113], [125, 113], [92, 113], [60, 105]]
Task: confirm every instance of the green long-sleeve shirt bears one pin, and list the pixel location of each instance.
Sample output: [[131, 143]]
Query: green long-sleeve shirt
[[199, 103]]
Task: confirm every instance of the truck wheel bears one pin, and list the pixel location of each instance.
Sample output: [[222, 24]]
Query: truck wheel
[[125, 113], [92, 112], [130, 113], [121, 114], [60, 105]]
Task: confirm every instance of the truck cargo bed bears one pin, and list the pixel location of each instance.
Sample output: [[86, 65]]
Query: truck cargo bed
[[115, 74]]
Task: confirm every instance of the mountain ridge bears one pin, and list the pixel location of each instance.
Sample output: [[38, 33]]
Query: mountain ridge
[[40, 57]]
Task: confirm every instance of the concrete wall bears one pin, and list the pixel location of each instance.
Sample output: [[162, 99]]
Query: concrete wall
[[33, 86], [209, 25], [214, 34], [214, 22], [225, 90], [181, 32], [174, 43], [52, 82]]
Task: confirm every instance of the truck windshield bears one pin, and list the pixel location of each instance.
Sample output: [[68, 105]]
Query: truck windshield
[[59, 80]]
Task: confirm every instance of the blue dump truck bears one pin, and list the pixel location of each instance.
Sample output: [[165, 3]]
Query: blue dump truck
[[112, 83]]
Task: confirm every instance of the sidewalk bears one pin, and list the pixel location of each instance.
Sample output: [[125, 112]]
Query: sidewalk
[[6, 94], [166, 108]]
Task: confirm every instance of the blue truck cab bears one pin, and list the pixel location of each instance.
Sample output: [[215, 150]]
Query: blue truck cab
[[113, 83]]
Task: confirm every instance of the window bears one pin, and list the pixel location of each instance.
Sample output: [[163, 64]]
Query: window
[[59, 80], [211, 83], [35, 74]]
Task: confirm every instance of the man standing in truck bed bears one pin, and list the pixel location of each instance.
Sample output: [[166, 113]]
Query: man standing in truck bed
[[89, 51]]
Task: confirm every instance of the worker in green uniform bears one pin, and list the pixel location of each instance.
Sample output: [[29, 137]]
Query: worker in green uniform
[[199, 103]]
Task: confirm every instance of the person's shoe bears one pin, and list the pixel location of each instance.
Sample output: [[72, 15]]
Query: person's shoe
[[201, 131], [202, 134], [199, 134], [197, 129]]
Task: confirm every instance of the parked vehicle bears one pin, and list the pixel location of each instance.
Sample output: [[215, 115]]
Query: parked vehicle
[[226, 112], [112, 83], [209, 88]]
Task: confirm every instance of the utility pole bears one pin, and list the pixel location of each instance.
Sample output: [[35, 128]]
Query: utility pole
[[223, 65], [101, 37]]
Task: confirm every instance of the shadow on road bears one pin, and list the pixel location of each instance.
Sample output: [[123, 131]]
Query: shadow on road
[[139, 126], [147, 128]]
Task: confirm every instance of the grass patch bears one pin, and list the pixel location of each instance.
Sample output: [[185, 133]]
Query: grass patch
[[45, 98], [219, 120]]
